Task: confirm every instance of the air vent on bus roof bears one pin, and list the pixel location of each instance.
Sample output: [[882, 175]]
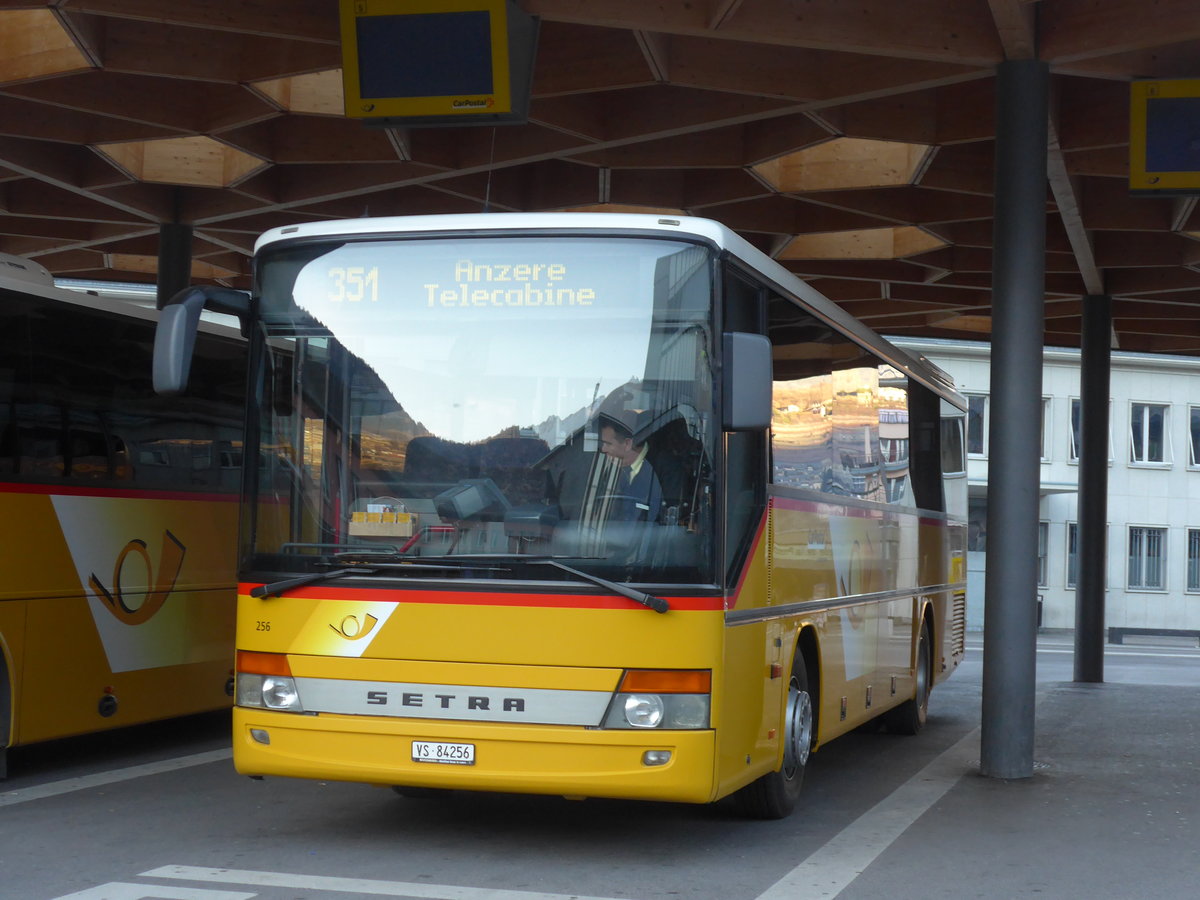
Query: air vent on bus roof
[[20, 269]]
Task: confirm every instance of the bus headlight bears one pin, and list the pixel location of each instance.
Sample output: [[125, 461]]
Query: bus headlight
[[268, 692], [643, 710], [279, 692], [689, 711], [661, 699], [658, 711], [264, 681]]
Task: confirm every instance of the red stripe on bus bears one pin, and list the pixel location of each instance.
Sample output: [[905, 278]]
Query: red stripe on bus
[[485, 598], [9, 487], [749, 561]]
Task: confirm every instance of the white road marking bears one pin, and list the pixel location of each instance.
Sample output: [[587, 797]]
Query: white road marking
[[121, 890], [1108, 654], [1122, 650], [351, 885], [100, 779], [828, 871]]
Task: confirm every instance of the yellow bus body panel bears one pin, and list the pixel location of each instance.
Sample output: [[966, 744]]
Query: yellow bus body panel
[[123, 596], [864, 651], [541, 759], [476, 644]]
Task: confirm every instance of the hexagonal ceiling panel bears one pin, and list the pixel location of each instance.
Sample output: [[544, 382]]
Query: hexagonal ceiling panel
[[814, 130]]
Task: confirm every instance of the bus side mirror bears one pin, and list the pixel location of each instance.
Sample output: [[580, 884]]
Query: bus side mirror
[[175, 336], [746, 382]]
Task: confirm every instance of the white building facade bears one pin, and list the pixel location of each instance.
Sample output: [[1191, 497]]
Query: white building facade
[[1153, 561]]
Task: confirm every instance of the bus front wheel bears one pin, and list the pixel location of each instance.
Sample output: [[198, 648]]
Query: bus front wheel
[[774, 795]]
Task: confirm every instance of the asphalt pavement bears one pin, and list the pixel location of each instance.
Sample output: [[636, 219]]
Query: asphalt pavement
[[1110, 812]]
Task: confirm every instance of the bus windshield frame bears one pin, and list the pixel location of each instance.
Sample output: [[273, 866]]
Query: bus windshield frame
[[509, 397]]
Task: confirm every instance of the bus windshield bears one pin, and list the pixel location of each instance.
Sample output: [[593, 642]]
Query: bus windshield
[[486, 396]]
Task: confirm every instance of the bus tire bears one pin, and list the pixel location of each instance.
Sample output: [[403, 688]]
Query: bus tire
[[774, 795], [910, 716]]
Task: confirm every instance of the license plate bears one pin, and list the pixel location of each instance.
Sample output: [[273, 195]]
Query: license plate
[[435, 752]]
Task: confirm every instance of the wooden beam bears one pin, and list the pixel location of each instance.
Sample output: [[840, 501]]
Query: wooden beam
[[1015, 28], [1066, 198], [297, 19], [60, 165], [191, 107], [1081, 29], [148, 48], [614, 58], [656, 51], [950, 31]]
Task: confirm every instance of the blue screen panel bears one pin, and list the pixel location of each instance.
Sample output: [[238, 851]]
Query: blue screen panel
[[425, 55], [1173, 134]]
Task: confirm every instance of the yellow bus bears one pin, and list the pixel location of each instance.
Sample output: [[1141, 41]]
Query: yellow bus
[[118, 515], [579, 504]]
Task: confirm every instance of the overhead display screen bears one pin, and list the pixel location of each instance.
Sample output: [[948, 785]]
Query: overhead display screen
[[426, 63], [1164, 137], [425, 55]]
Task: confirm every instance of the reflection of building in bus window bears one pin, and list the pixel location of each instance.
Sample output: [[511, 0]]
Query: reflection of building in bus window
[[976, 536]]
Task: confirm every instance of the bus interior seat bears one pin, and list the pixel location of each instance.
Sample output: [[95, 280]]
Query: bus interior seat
[[674, 455], [510, 463]]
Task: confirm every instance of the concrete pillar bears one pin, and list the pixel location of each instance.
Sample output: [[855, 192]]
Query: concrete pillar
[[174, 260], [1014, 452], [1092, 517]]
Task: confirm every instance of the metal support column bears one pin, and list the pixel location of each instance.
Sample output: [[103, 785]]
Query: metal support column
[[1014, 453], [1092, 517], [174, 260]]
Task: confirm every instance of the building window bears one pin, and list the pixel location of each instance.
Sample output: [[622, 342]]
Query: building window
[[1147, 558], [1148, 439], [1193, 559], [1194, 436], [1072, 554], [977, 524], [1043, 540], [1045, 435], [977, 424]]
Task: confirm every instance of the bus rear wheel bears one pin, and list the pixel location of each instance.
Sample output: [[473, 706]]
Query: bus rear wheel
[[774, 795], [909, 717]]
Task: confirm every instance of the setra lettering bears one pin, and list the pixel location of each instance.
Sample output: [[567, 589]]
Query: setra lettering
[[415, 699]]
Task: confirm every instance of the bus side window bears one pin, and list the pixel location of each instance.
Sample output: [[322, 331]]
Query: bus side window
[[925, 448], [745, 451]]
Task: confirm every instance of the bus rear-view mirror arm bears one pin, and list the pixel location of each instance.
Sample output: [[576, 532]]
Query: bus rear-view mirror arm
[[175, 337], [746, 382]]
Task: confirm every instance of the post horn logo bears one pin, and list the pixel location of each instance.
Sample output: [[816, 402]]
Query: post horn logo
[[170, 561], [353, 630]]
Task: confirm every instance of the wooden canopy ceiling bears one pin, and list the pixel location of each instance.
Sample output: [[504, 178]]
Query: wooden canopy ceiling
[[852, 139]]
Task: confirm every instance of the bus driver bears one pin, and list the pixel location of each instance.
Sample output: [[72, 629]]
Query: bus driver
[[638, 495]]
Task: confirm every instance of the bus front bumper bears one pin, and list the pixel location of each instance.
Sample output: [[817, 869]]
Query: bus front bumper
[[533, 759]]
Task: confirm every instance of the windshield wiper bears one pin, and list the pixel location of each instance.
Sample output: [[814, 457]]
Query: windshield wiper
[[462, 561], [277, 588], [658, 604]]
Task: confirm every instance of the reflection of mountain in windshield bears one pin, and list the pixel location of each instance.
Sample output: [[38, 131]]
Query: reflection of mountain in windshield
[[416, 407]]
